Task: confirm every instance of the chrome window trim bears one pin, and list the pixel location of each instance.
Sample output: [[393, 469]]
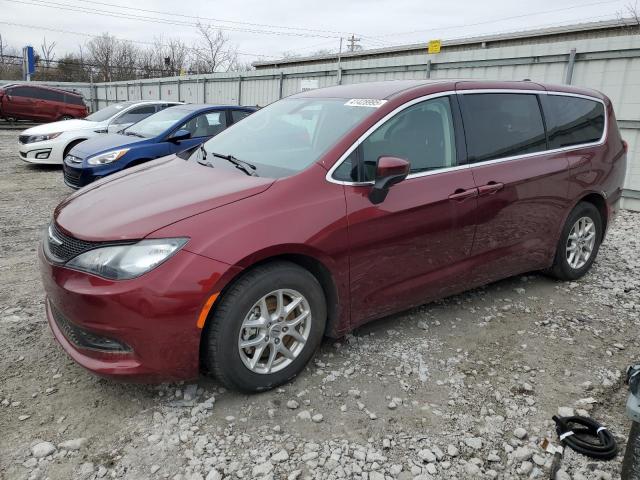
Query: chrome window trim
[[365, 135]]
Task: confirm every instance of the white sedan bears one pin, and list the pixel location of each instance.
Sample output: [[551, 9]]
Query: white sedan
[[50, 143]]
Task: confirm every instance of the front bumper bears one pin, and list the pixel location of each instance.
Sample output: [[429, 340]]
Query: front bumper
[[154, 316], [77, 177], [47, 152]]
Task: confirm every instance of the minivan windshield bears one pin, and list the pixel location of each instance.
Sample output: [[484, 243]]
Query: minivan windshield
[[106, 113], [155, 124], [289, 135]]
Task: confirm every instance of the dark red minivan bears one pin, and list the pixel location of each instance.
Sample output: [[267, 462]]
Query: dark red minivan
[[324, 211], [40, 103]]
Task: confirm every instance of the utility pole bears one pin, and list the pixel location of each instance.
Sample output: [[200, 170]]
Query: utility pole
[[353, 43]]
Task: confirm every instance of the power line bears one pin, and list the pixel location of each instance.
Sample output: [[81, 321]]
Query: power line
[[90, 35], [147, 19], [496, 20]]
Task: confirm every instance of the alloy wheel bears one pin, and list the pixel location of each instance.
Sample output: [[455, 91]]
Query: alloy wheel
[[580, 243], [274, 331]]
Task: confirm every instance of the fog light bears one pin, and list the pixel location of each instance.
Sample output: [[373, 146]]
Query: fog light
[[42, 155]]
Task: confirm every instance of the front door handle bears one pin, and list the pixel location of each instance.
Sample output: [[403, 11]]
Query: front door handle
[[461, 194], [490, 188]]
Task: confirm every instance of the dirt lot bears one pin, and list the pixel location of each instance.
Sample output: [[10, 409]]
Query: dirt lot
[[462, 388]]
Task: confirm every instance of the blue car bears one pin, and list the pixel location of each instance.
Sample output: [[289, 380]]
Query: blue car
[[170, 131]]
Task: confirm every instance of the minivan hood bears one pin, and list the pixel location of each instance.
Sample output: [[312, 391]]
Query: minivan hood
[[62, 126], [136, 202], [104, 143]]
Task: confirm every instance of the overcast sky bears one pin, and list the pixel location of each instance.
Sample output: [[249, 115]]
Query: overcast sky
[[271, 27]]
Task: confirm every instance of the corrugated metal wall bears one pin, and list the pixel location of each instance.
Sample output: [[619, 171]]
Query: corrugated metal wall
[[607, 62]]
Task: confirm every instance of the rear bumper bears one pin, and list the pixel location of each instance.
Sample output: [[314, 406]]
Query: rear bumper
[[154, 315]]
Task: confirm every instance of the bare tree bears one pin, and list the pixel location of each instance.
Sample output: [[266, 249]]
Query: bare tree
[[47, 56], [630, 16], [102, 51], [213, 53]]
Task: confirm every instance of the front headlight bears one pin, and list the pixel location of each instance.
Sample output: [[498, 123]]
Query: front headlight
[[108, 157], [42, 138], [123, 262]]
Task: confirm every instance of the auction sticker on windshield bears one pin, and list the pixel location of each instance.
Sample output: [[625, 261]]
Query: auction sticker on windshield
[[365, 102]]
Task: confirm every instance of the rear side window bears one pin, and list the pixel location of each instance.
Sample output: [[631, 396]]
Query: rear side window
[[573, 120], [73, 99], [135, 114], [500, 125], [50, 95], [238, 115]]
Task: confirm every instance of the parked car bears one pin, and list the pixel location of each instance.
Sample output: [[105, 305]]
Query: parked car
[[51, 142], [321, 212], [40, 103], [170, 131]]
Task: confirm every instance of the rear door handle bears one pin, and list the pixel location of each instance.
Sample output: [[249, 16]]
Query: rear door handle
[[490, 188], [462, 194]]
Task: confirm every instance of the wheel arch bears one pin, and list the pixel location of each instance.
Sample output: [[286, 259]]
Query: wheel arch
[[313, 263], [598, 201], [70, 145]]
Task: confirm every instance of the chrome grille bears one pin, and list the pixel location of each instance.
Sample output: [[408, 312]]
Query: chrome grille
[[63, 248]]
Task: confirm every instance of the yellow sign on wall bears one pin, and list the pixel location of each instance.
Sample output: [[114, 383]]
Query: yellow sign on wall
[[434, 46]]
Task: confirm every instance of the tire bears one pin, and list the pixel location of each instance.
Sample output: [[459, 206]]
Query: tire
[[222, 354], [562, 268], [66, 117]]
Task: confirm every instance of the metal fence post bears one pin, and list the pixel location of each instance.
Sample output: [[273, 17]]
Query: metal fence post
[[116, 92], [281, 85], [572, 60], [159, 90], [140, 90], [240, 90], [204, 89], [127, 87], [428, 73], [178, 89]]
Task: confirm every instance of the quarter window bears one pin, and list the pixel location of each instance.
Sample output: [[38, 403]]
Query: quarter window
[[499, 125], [423, 134], [573, 120]]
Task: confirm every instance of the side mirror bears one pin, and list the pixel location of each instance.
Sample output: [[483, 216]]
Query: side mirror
[[389, 171], [179, 135]]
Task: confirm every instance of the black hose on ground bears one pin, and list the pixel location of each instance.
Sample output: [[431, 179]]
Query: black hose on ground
[[574, 431]]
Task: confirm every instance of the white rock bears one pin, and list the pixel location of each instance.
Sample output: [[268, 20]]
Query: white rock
[[155, 468], [563, 475], [317, 418], [214, 475], [292, 404], [376, 476], [280, 456], [520, 433], [75, 444], [525, 468], [43, 449], [523, 453], [452, 450], [427, 455], [473, 442], [262, 469], [472, 469], [565, 411], [304, 415]]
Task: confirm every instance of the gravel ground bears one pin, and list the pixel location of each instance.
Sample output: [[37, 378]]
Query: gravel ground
[[461, 388]]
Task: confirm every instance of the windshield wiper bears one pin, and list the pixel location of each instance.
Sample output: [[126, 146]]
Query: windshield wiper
[[133, 134], [243, 165]]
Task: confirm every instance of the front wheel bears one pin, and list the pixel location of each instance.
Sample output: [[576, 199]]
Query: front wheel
[[266, 327], [579, 243]]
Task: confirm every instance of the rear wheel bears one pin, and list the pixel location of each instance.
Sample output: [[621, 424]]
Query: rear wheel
[[66, 117], [266, 327], [579, 243]]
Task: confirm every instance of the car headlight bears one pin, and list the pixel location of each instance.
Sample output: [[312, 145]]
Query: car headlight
[[108, 157], [42, 138], [123, 262]]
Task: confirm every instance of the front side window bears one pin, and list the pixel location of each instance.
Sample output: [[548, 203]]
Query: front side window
[[573, 120], [422, 134], [289, 135], [206, 124], [500, 125], [106, 112]]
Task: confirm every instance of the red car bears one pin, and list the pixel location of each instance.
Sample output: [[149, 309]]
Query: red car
[[324, 211], [40, 103]]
